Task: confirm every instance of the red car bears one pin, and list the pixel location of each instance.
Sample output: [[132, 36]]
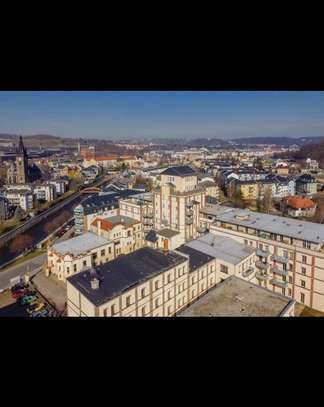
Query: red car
[[19, 293]]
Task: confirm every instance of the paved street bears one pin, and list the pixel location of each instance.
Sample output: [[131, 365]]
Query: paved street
[[32, 266]]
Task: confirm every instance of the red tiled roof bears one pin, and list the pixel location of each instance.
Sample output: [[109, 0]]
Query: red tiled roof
[[105, 224], [298, 202]]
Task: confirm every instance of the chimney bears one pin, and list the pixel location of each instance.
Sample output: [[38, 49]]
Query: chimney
[[99, 227], [94, 283]]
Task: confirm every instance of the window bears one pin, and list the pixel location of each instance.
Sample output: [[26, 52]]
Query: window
[[192, 280], [289, 292], [285, 254], [103, 252], [302, 298], [68, 270], [303, 283], [112, 310], [303, 270], [105, 312], [169, 278], [74, 267], [109, 250], [224, 269], [169, 295], [169, 310], [284, 278], [156, 303], [143, 292], [128, 301], [283, 291], [304, 259], [156, 285], [84, 263], [128, 233], [143, 312], [290, 279], [261, 246]]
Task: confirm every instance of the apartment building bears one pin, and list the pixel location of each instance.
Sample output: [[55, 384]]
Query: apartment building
[[103, 205], [79, 253], [290, 252], [306, 184], [252, 189], [154, 282], [4, 208], [61, 185], [45, 192], [125, 233], [143, 283], [139, 208], [24, 198], [178, 200]]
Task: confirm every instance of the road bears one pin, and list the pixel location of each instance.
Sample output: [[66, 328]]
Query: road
[[32, 266]]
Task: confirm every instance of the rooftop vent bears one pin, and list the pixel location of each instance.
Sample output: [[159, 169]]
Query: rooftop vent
[[95, 283], [242, 216]]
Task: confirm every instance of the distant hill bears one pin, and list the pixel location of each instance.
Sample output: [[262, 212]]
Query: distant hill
[[280, 141]]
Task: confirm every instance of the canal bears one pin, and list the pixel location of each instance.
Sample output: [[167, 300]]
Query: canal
[[37, 232]]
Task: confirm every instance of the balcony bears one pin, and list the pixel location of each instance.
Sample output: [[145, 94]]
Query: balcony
[[278, 283], [261, 265], [279, 259], [248, 272], [260, 276], [262, 253], [280, 272], [201, 229]]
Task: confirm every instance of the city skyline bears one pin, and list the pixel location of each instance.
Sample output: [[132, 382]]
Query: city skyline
[[163, 114]]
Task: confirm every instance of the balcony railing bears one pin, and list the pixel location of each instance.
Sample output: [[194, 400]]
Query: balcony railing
[[279, 271], [278, 283], [261, 265], [262, 253], [261, 276], [248, 272], [279, 259]]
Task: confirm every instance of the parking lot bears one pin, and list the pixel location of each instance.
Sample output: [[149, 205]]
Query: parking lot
[[24, 301]]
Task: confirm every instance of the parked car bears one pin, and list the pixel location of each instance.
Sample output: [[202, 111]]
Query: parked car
[[19, 293], [27, 299], [19, 286], [35, 307], [42, 313]]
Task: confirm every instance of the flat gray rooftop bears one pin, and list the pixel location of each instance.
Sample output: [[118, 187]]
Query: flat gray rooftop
[[238, 298], [221, 247], [297, 229], [168, 233], [80, 244]]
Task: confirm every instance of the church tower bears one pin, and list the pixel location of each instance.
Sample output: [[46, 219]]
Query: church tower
[[21, 163]]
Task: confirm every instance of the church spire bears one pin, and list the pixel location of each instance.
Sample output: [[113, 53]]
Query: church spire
[[21, 148]]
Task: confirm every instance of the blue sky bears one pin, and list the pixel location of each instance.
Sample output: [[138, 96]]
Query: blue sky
[[171, 114]]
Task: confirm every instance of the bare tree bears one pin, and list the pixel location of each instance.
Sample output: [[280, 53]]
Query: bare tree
[[20, 243], [267, 200]]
